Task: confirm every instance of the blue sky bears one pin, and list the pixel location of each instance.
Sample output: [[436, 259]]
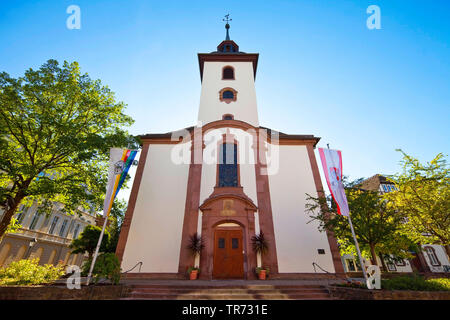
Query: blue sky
[[321, 70]]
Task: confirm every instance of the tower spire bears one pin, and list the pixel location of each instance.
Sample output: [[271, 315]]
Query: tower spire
[[227, 26]]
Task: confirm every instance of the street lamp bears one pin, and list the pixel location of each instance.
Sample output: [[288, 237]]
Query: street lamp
[[30, 246]]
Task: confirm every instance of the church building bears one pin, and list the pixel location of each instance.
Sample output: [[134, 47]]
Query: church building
[[226, 179]]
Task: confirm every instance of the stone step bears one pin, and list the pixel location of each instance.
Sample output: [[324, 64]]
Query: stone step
[[249, 287], [227, 291], [266, 296]]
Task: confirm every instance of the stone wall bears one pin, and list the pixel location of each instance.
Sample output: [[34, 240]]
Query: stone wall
[[98, 292], [343, 293]]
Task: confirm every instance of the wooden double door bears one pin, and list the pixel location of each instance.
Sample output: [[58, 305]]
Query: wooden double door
[[228, 260]]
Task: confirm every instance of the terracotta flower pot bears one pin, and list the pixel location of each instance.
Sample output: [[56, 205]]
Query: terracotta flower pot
[[193, 275], [262, 275]]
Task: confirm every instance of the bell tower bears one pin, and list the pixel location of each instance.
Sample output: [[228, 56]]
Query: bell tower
[[228, 83]]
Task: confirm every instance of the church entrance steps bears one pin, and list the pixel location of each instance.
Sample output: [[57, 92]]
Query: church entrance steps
[[227, 292]]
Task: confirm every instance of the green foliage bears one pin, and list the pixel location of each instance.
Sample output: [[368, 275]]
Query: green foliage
[[416, 283], [352, 284], [56, 128], [376, 224], [195, 244], [259, 243], [88, 239], [424, 198], [29, 272], [14, 226], [107, 266]]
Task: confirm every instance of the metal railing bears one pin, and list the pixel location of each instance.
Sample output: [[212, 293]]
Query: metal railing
[[314, 266], [137, 264]]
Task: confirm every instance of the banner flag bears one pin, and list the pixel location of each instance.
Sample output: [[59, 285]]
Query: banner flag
[[120, 162], [332, 168]]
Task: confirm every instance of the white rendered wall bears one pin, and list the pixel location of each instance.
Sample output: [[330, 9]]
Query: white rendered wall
[[441, 255], [296, 241], [246, 162], [244, 108], [155, 232]]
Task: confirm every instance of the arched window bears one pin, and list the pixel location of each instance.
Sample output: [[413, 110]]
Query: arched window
[[228, 167], [228, 73], [228, 95]]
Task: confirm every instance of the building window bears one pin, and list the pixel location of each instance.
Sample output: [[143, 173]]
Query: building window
[[75, 233], [227, 95], [432, 256], [53, 225], [385, 188], [400, 262], [23, 212], [228, 168], [227, 117], [351, 265], [228, 73], [221, 243], [63, 227], [34, 221]]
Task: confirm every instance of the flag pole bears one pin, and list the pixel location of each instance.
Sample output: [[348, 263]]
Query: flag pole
[[94, 257], [356, 241], [357, 248]]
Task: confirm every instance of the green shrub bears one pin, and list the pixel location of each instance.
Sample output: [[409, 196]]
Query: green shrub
[[106, 266], [352, 284], [29, 272], [416, 283]]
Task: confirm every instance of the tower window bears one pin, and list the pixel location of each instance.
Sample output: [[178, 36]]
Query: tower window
[[228, 73], [227, 117], [228, 95], [228, 167]]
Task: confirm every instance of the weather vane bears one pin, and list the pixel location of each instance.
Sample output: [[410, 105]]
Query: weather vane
[[227, 16]]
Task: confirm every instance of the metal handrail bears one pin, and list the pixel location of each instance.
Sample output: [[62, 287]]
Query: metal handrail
[[314, 266], [140, 263]]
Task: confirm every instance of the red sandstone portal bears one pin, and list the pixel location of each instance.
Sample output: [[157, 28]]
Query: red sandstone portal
[[228, 253]]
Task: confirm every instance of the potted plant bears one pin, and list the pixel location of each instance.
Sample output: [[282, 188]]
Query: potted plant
[[260, 246], [195, 246], [193, 273], [262, 273]]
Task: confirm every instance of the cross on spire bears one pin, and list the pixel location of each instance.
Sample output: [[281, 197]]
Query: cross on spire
[[227, 26]]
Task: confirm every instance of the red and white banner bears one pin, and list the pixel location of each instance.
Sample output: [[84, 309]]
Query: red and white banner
[[332, 168]]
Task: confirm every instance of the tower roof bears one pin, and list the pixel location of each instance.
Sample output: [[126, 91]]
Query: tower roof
[[227, 51]]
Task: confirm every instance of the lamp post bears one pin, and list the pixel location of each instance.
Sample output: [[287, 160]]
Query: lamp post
[[30, 247]]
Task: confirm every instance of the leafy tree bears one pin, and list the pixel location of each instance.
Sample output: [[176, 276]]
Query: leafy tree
[[376, 225], [115, 223], [88, 239], [423, 196], [56, 128], [107, 266]]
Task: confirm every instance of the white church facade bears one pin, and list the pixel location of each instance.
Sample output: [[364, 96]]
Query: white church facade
[[226, 179]]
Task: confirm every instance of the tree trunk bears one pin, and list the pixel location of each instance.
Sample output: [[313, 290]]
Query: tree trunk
[[373, 254], [383, 264], [13, 204], [447, 250]]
